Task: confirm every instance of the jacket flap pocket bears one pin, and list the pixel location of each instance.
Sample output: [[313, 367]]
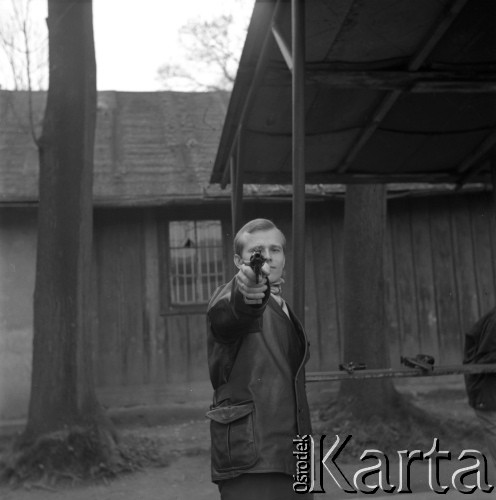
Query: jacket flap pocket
[[231, 413]]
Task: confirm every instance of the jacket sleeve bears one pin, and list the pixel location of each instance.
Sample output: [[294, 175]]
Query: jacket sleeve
[[230, 317]]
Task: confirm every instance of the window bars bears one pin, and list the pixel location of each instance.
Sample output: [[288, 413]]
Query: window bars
[[196, 264]]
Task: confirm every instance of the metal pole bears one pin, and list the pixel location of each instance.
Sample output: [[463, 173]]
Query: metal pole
[[436, 371], [236, 187], [234, 211], [298, 97], [492, 163]]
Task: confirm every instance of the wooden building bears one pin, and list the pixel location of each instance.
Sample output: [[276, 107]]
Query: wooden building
[[162, 243]]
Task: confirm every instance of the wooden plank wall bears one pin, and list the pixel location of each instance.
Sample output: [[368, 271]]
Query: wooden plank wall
[[450, 277], [135, 343], [440, 269], [440, 277], [122, 340]]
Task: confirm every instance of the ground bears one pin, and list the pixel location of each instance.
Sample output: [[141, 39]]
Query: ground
[[184, 446]]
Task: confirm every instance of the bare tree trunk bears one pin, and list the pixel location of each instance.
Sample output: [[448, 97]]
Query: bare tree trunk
[[67, 433], [363, 299], [62, 392]]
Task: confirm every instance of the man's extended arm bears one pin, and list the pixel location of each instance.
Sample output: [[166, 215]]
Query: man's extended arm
[[233, 313]]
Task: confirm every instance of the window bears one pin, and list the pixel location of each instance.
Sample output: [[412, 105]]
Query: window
[[196, 261]]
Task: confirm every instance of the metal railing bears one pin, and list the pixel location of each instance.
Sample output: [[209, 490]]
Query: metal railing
[[399, 372]]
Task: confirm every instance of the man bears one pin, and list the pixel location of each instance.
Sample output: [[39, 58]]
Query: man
[[480, 347], [257, 350]]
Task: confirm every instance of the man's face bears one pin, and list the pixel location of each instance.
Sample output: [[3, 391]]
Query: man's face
[[270, 244]]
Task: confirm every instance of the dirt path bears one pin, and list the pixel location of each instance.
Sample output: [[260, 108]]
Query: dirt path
[[187, 477]]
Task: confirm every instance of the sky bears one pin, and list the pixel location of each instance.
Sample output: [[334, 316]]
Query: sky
[[133, 38]]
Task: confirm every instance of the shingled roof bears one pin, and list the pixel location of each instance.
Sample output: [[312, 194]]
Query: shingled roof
[[151, 147]]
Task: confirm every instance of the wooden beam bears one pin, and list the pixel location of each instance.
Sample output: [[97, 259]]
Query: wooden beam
[[255, 81], [478, 153], [379, 114], [352, 178], [405, 81], [475, 170], [436, 35], [298, 149], [415, 63], [283, 47]]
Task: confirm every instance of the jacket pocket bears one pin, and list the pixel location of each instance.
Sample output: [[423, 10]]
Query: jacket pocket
[[233, 437]]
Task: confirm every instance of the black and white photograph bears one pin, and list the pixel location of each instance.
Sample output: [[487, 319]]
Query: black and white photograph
[[247, 249]]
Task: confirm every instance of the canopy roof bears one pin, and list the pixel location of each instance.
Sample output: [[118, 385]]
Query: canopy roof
[[395, 91]]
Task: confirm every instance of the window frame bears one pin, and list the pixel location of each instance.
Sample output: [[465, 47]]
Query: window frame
[[167, 307]]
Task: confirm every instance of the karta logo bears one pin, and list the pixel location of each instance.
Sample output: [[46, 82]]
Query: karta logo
[[376, 475]]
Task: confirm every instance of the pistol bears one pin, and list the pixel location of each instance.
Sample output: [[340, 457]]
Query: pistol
[[257, 260]]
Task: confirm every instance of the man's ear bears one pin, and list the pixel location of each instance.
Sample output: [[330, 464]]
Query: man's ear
[[238, 261]]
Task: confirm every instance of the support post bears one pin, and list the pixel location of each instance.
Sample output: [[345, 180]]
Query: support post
[[298, 155], [492, 166], [492, 162], [236, 187]]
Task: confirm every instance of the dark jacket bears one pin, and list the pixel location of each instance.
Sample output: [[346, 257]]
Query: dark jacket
[[256, 358], [480, 348]]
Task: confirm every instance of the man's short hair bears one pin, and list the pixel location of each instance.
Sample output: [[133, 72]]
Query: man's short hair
[[252, 227]]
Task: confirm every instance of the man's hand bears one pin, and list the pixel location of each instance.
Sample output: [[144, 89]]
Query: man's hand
[[252, 291]]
